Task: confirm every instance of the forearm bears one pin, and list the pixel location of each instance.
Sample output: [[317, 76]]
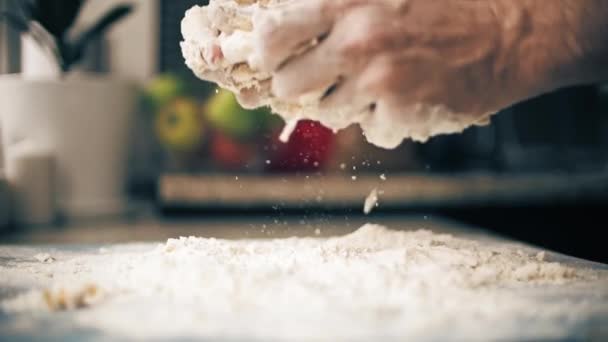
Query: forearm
[[561, 42], [588, 20]]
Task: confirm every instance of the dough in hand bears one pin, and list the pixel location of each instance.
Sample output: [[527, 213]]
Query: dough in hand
[[222, 44]]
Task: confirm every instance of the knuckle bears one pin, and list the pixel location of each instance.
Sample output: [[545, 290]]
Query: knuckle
[[356, 44], [379, 76], [358, 40], [269, 33], [358, 32]]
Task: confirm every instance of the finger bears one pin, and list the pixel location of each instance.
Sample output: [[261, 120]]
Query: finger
[[406, 80], [406, 119], [409, 77], [254, 97], [281, 31], [315, 70], [378, 76], [414, 120], [383, 127], [347, 94], [335, 57]]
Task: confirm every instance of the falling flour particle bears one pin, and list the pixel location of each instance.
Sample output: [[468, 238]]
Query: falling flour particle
[[371, 202], [383, 177]]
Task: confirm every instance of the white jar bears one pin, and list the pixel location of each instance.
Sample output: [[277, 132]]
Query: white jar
[[85, 122], [30, 172]]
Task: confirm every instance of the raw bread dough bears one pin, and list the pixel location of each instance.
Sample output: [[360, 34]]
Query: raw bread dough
[[221, 45]]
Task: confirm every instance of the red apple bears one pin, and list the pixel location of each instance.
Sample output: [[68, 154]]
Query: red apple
[[230, 154], [308, 149]]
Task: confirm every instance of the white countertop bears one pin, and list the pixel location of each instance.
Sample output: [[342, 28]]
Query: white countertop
[[91, 241]]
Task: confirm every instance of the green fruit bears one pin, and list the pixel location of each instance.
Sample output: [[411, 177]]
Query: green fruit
[[179, 125], [272, 122], [163, 90], [226, 115]]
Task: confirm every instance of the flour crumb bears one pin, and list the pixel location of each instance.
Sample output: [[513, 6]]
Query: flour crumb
[[44, 258], [540, 256], [58, 298], [371, 202], [67, 299]]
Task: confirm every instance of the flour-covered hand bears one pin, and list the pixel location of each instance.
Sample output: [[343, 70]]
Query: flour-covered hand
[[471, 57]]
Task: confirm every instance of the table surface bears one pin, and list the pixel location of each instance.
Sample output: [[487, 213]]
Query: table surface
[[87, 238], [398, 190]]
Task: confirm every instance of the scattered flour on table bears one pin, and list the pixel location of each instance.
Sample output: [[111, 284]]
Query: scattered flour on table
[[372, 283]]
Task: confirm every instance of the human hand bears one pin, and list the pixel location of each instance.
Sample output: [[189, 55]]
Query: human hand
[[471, 57]]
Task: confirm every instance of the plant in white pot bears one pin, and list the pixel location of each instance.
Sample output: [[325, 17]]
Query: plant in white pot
[[82, 120]]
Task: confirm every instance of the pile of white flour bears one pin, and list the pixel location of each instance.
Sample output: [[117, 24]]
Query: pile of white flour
[[374, 283]]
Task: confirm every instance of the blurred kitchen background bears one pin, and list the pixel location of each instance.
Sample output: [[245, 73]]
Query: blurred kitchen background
[[147, 134]]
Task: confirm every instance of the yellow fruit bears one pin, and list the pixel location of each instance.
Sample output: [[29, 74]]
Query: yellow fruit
[[179, 125]]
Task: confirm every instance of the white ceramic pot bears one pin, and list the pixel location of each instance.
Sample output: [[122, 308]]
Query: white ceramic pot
[[36, 62], [86, 124]]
